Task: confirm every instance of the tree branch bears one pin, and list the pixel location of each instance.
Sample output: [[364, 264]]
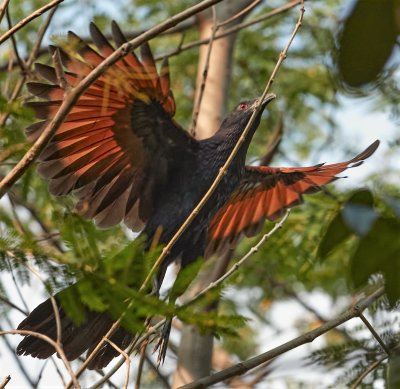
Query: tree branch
[[6, 380], [231, 30], [308, 337], [28, 19], [54, 344], [3, 8], [368, 370]]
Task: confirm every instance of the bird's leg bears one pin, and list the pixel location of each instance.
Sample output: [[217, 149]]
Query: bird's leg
[[162, 343]]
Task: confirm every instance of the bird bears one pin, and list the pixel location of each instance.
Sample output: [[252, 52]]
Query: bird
[[124, 158]]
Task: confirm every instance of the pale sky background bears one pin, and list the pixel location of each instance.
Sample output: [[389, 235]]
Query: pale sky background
[[358, 126]]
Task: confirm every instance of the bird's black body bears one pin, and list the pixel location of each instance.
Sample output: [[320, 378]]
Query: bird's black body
[[120, 152], [190, 181]]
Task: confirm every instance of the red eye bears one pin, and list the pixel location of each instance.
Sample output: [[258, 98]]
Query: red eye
[[242, 106]]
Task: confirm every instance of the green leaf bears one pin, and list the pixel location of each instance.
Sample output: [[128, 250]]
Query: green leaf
[[367, 41], [379, 251], [336, 233], [90, 295]]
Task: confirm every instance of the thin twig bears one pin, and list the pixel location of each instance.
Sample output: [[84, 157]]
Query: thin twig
[[180, 28], [141, 364], [5, 382], [35, 215], [31, 59], [28, 19], [239, 14], [17, 287], [149, 332], [53, 303], [163, 379], [308, 337], [12, 305], [197, 104], [40, 375], [54, 344], [368, 370], [42, 31], [374, 333], [17, 360], [127, 361], [167, 248], [3, 9], [232, 30], [239, 263], [57, 369], [14, 44]]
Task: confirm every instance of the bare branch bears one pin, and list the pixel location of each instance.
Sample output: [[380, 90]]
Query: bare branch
[[368, 370], [14, 44], [232, 30], [32, 57], [54, 344], [12, 305], [374, 333], [3, 9], [127, 361], [17, 360], [141, 362], [28, 19], [5, 382], [197, 104], [242, 12], [308, 337], [156, 370], [133, 346]]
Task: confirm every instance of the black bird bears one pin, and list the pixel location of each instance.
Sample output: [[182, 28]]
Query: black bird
[[120, 152]]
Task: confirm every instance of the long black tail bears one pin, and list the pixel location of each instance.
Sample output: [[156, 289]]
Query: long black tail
[[75, 339]]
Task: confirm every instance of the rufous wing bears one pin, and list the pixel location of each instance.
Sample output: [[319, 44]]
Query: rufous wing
[[266, 192], [120, 128]]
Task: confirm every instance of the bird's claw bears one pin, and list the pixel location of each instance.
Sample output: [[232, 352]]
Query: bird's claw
[[162, 343]]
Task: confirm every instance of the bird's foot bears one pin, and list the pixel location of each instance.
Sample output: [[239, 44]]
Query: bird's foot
[[162, 343]]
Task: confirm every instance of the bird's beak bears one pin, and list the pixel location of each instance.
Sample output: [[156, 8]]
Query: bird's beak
[[269, 97]]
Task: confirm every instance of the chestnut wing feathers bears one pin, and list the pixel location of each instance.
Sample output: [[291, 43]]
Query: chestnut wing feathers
[[107, 150]]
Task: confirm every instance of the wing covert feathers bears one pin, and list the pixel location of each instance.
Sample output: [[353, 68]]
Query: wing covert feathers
[[266, 192], [96, 153]]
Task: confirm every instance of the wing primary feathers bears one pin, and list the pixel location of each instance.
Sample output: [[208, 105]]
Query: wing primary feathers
[[265, 192]]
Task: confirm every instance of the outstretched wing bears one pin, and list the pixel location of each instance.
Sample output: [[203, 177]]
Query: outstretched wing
[[118, 145], [265, 192]]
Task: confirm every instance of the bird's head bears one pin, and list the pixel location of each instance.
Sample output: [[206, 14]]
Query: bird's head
[[246, 108], [240, 116]]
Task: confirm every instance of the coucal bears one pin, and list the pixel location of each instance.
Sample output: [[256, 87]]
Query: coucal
[[123, 156]]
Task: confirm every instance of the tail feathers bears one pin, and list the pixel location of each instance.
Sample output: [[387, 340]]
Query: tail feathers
[[75, 339], [120, 338]]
